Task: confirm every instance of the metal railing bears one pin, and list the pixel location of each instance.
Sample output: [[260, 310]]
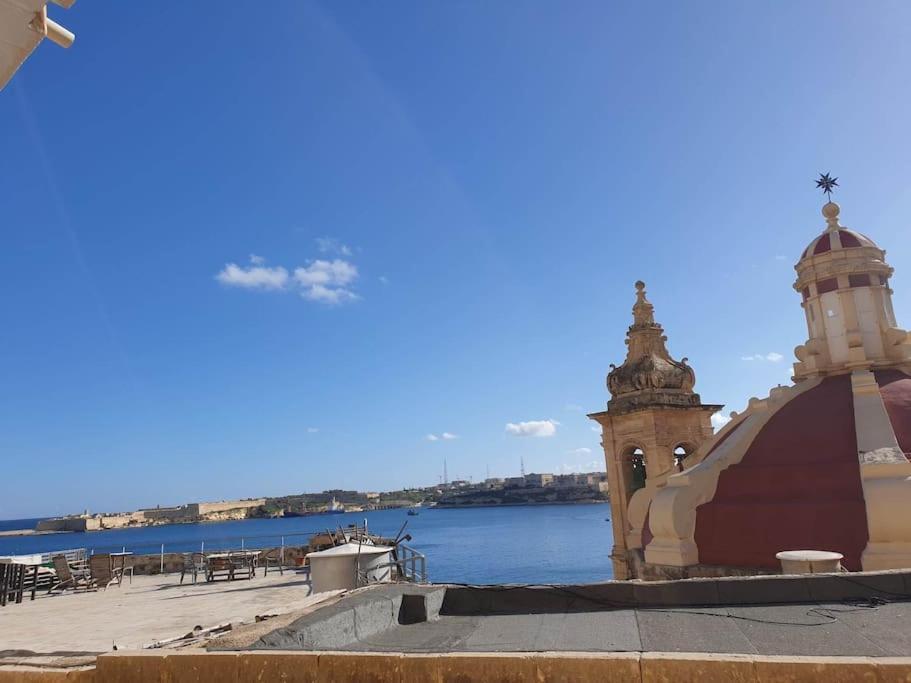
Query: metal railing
[[412, 564]]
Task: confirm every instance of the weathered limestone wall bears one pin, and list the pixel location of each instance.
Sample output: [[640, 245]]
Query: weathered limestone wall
[[544, 667], [69, 524]]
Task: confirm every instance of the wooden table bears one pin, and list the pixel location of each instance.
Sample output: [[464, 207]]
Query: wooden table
[[225, 563]]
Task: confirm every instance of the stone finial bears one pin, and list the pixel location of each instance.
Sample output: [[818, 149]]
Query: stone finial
[[643, 311], [648, 366], [831, 211]]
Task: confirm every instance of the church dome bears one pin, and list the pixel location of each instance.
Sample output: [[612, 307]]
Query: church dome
[[824, 464], [798, 483], [836, 236]]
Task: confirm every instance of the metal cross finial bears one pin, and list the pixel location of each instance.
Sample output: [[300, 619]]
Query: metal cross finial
[[827, 184]]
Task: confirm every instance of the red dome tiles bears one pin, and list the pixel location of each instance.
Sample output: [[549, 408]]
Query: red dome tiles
[[797, 486]]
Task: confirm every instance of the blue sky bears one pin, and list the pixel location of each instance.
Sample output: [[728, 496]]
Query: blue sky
[[460, 195]]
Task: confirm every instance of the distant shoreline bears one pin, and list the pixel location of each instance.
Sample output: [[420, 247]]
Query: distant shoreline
[[591, 501], [30, 532]]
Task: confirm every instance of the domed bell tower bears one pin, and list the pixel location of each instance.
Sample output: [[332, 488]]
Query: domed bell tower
[[654, 421], [843, 279]]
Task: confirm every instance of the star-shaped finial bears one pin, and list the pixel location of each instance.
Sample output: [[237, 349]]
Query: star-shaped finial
[[827, 184]]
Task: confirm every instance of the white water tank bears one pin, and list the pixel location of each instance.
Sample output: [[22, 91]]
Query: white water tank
[[338, 568]]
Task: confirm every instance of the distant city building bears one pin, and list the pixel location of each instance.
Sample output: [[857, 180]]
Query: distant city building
[[514, 482], [539, 480]]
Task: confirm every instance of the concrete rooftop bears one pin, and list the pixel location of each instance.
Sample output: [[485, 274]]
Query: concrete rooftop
[[824, 615], [149, 609]]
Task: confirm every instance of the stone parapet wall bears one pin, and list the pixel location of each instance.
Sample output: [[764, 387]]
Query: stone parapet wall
[[541, 667]]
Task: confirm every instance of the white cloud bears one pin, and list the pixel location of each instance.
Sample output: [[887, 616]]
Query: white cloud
[[445, 436], [596, 429], [719, 421], [580, 451], [780, 257], [538, 428], [312, 430], [574, 408], [256, 276], [329, 295], [772, 357], [383, 280], [330, 245], [328, 282]]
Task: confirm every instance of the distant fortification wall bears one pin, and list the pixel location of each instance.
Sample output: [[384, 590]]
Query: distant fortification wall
[[202, 509]]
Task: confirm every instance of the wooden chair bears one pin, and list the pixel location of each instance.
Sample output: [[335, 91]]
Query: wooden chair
[[101, 571], [271, 558], [67, 577], [12, 582], [194, 564]]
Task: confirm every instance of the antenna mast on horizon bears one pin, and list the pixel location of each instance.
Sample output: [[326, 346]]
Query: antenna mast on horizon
[[522, 465], [445, 474]]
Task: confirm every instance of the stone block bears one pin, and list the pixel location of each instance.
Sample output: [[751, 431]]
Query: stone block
[[494, 667], [583, 667], [18, 674], [838, 587], [280, 667], [894, 669], [359, 667], [763, 590], [422, 668], [676, 593], [199, 666], [140, 666], [665, 667], [791, 669]]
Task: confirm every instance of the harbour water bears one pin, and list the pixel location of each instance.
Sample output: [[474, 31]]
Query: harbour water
[[540, 544]]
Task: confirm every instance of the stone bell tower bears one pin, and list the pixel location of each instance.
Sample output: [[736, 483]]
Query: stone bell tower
[[653, 422]]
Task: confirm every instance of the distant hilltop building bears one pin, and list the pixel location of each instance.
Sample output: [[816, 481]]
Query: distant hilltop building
[[820, 465]]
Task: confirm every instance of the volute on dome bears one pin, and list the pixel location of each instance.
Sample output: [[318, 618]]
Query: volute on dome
[[649, 376]]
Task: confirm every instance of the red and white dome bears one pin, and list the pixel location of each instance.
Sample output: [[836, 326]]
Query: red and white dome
[[824, 464]]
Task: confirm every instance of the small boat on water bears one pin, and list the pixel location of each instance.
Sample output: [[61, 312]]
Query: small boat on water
[[415, 509]]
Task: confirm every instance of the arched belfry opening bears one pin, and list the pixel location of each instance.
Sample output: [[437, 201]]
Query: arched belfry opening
[[681, 452], [653, 425], [634, 469]]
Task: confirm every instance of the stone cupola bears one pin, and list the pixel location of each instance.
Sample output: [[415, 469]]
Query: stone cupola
[[843, 279], [649, 376]]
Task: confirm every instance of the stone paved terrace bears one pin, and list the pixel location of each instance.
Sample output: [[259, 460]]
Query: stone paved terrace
[[149, 609]]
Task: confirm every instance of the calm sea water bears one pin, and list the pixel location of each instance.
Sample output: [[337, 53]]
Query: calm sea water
[[522, 544]]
